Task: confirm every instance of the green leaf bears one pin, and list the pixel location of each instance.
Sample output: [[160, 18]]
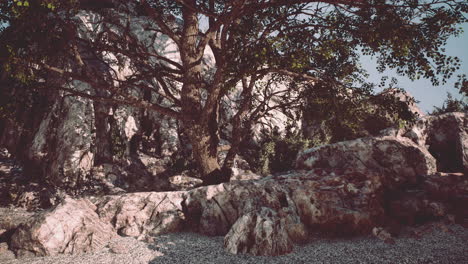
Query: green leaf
[[19, 3], [26, 3]]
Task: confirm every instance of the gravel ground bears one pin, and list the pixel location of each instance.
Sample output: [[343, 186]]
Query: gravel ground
[[436, 246]]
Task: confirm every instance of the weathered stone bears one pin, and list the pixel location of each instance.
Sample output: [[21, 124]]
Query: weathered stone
[[72, 227], [266, 216], [446, 138], [383, 235], [10, 219], [244, 175], [347, 203], [184, 182], [398, 159], [5, 253], [259, 233], [143, 214]]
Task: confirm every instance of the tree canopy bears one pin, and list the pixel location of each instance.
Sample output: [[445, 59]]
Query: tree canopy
[[193, 53]]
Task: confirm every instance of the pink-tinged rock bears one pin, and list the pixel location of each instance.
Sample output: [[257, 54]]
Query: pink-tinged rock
[[397, 158], [143, 214], [72, 227], [259, 233]]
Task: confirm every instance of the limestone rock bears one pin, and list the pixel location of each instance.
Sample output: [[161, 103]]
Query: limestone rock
[[184, 182], [399, 159], [383, 235], [143, 214], [5, 253], [342, 203], [10, 219], [62, 144], [244, 175], [259, 233], [446, 138], [72, 227]]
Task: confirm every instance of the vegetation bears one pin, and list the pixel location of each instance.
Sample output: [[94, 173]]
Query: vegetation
[[451, 105], [302, 44]]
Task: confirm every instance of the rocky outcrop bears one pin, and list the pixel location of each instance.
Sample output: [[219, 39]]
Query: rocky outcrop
[[143, 214], [261, 217], [72, 227], [259, 233], [399, 159], [446, 138], [62, 146], [363, 186]]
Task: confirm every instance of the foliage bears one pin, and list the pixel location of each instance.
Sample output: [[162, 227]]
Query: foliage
[[350, 114], [299, 42], [451, 105], [278, 152]]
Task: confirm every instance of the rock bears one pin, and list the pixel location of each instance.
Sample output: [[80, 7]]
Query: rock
[[449, 193], [62, 144], [119, 245], [143, 214], [10, 219], [260, 217], [400, 160], [383, 235], [244, 175], [3, 247], [72, 227], [5, 253], [446, 138], [406, 97], [411, 207], [318, 200], [184, 182], [438, 195], [259, 233]]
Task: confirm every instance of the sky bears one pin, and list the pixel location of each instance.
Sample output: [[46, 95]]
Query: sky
[[422, 90]]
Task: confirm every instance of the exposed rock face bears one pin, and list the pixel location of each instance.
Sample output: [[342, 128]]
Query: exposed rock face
[[446, 138], [259, 233], [62, 145], [62, 137], [72, 227], [143, 214], [352, 187], [260, 217], [265, 216], [398, 158]]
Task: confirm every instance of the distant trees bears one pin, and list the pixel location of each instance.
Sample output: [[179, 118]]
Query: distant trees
[[254, 43]]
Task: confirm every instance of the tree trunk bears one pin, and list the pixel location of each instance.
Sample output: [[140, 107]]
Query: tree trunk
[[200, 121], [103, 138], [204, 150]]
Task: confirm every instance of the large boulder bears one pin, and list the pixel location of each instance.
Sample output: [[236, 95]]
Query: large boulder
[[72, 227], [143, 214], [399, 159], [265, 216], [259, 233], [446, 138]]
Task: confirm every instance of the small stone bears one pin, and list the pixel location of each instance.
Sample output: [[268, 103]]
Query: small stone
[[3, 247], [117, 247], [383, 235]]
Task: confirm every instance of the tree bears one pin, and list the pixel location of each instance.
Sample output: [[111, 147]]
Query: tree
[[451, 105], [252, 43]]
